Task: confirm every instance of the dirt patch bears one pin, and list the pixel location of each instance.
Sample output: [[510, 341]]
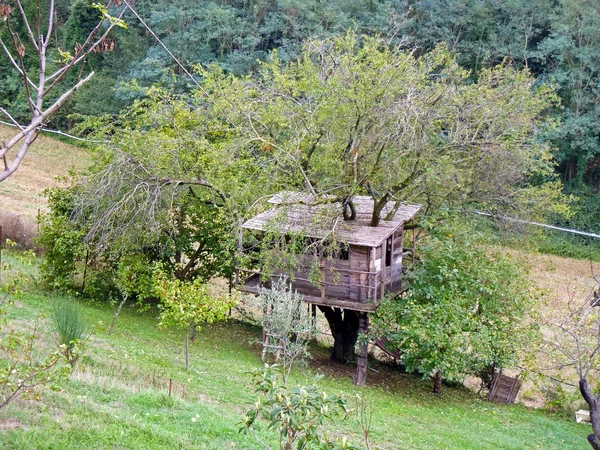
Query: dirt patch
[[10, 423]]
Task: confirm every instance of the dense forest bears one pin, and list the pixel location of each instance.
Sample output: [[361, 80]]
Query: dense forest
[[558, 41]]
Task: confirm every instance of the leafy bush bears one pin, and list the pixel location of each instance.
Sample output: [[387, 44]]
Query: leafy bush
[[465, 312], [297, 413], [187, 304], [62, 241]]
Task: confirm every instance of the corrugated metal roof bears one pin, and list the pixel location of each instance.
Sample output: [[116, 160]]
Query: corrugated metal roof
[[297, 213]]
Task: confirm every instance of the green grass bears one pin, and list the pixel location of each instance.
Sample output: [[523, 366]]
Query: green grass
[[118, 397]]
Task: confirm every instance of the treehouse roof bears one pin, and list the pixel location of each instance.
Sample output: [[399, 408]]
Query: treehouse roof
[[297, 213]]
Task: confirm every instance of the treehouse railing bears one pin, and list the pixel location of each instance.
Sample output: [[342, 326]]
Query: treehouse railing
[[369, 291]]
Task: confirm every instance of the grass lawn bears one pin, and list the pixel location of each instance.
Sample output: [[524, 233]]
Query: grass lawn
[[47, 159], [118, 398]]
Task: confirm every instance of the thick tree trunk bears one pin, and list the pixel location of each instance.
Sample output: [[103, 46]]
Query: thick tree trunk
[[437, 382], [377, 208], [344, 329], [592, 401]]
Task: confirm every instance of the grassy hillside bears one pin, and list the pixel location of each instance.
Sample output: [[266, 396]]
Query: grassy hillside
[[48, 158], [118, 398]]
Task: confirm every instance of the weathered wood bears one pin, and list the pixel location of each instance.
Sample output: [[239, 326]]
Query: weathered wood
[[383, 271], [363, 351], [504, 388], [300, 218]]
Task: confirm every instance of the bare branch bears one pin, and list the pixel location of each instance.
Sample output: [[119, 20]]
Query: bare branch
[[27, 26], [32, 130]]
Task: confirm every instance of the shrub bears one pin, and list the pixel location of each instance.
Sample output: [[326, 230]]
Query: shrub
[[70, 327], [298, 414]]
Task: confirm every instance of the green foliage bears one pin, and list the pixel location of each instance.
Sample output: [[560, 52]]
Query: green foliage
[[62, 241], [24, 365], [298, 414], [288, 324], [134, 277], [70, 326], [187, 303], [317, 125], [465, 312]]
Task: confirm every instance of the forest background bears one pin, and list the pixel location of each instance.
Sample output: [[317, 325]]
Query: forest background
[[557, 41]]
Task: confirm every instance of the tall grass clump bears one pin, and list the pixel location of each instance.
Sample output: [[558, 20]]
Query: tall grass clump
[[70, 326]]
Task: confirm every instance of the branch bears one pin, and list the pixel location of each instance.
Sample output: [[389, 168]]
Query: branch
[[31, 131], [26, 22]]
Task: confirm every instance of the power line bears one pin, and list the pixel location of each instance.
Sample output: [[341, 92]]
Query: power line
[[538, 224], [62, 133]]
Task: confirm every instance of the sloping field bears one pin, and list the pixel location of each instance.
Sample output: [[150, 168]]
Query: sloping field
[[47, 159], [118, 398]]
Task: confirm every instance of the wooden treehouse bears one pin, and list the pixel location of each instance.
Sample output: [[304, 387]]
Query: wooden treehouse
[[346, 265]]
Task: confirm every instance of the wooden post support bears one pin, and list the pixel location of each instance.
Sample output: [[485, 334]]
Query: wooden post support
[[414, 243], [323, 274], [363, 352]]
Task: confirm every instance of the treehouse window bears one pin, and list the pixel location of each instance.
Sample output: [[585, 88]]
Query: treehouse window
[[388, 252]]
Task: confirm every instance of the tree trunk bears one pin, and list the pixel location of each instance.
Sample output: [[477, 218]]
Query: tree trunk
[[363, 353], [344, 329], [117, 312], [437, 382], [377, 208], [592, 401]]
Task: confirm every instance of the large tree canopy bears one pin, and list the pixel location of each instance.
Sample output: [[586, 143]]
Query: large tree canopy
[[354, 115], [351, 116]]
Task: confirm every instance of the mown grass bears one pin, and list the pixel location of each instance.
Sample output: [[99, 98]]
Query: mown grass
[[118, 398], [47, 159]]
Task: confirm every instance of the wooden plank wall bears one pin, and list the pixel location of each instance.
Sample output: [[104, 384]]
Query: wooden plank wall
[[359, 262], [339, 279]]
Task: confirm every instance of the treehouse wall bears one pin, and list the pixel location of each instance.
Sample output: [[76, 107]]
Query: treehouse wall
[[337, 278], [357, 279]]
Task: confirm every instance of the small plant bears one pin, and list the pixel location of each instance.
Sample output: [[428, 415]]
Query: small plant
[[70, 327], [298, 414], [23, 368], [187, 305], [365, 416], [287, 326]]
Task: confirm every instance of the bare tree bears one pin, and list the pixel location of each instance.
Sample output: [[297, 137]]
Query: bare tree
[[573, 343], [39, 84]]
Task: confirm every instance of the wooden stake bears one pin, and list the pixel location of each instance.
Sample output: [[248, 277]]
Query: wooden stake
[[361, 367]]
